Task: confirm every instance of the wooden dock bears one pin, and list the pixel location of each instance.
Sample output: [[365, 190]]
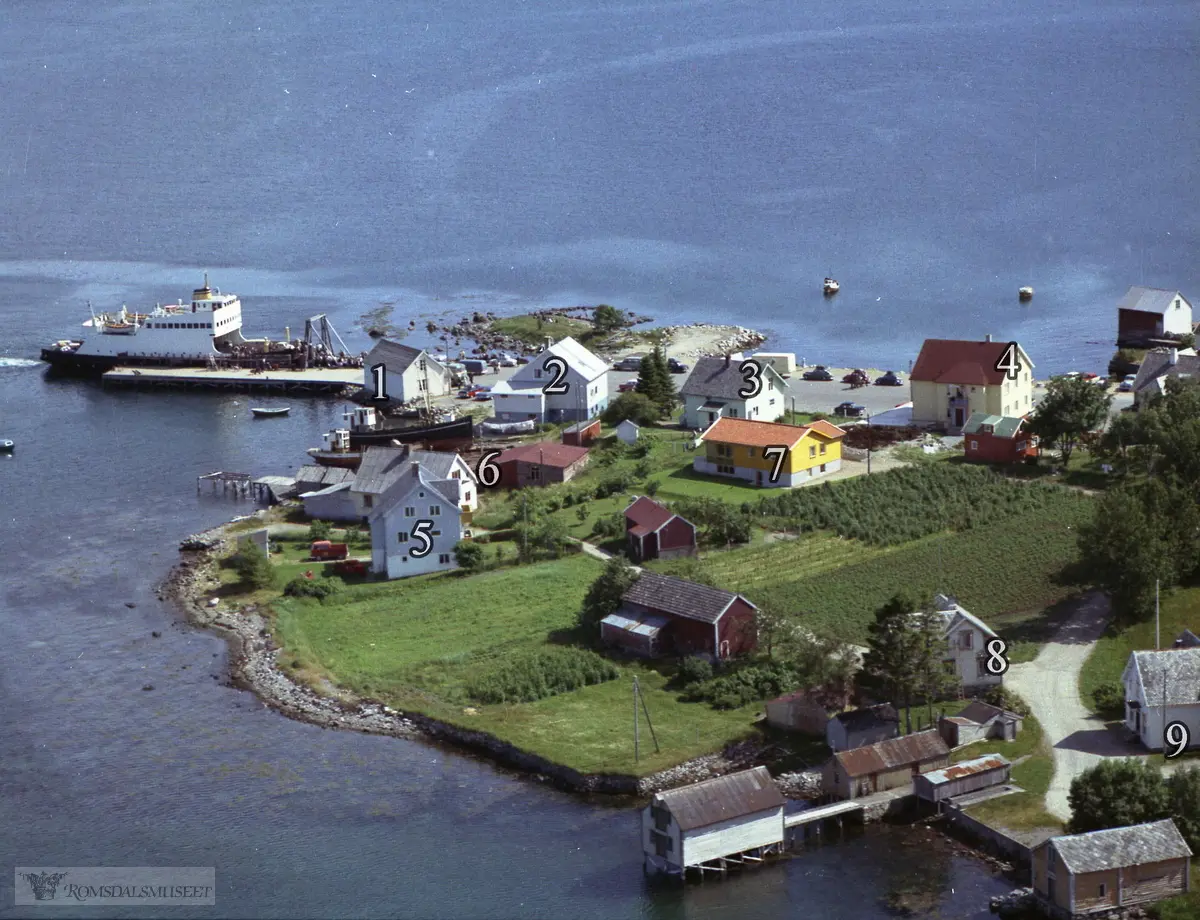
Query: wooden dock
[[321, 381], [809, 815]]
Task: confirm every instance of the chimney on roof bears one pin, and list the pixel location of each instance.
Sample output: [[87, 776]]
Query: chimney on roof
[[549, 341], [988, 337], [1173, 356], [728, 359], [416, 470]]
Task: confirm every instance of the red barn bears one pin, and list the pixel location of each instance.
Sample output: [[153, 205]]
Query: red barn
[[655, 532], [540, 463], [660, 613], [582, 434], [998, 439]]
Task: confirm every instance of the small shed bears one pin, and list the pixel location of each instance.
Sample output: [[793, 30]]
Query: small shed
[[627, 432], [653, 531], [966, 776], [641, 634], [260, 538], [858, 727], [979, 720], [582, 434], [805, 711], [998, 439], [708, 824], [333, 503], [887, 765], [540, 463]]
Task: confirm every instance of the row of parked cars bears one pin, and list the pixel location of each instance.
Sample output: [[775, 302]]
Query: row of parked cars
[[855, 378]]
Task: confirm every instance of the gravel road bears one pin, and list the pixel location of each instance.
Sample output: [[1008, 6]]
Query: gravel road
[[1050, 685]]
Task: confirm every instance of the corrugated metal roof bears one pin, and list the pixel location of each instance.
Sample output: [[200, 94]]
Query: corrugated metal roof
[[312, 476], [1148, 300], [962, 363], [1119, 847], [893, 753], [643, 624], [679, 597], [722, 798], [1181, 668], [966, 768]]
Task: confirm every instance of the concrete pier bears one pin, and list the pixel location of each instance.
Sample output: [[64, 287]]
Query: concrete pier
[[313, 382]]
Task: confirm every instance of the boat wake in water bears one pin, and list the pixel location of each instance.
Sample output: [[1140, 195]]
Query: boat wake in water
[[18, 362]]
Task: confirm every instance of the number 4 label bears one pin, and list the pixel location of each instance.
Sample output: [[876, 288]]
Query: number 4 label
[[1010, 361]]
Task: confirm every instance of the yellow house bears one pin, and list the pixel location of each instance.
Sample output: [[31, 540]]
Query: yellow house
[[770, 453], [953, 379]]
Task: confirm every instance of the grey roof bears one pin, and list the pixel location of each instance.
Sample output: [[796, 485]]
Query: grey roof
[[679, 597], [1003, 426], [1187, 639], [379, 468], [981, 713], [404, 483], [1182, 669], [722, 798], [1119, 847], [714, 378], [643, 624], [310, 477], [1157, 363], [393, 355], [868, 717], [1148, 300], [328, 490], [439, 463]]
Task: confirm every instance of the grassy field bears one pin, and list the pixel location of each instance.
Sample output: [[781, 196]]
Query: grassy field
[[527, 328], [414, 643], [1178, 610]]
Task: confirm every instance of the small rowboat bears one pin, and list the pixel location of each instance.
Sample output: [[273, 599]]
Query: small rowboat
[[6, 446], [1025, 293], [270, 413], [831, 286]]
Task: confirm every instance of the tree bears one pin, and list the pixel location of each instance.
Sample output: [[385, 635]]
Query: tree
[[551, 535], [1071, 408], [605, 594], [1183, 803], [1116, 793], [319, 530], [889, 670], [469, 555], [655, 382], [607, 319], [637, 407], [253, 566], [1124, 361]]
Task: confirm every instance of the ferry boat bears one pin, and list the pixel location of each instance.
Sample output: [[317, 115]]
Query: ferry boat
[[206, 331]]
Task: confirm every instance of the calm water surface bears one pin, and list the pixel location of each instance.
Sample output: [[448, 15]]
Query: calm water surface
[[705, 161]]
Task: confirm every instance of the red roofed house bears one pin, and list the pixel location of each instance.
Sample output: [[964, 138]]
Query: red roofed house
[[655, 532], [540, 463], [954, 379], [663, 614]]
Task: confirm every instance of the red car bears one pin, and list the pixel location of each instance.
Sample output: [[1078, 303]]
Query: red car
[[627, 386]]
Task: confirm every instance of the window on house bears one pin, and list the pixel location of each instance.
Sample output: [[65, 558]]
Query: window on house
[[772, 402], [410, 511], [404, 558], [662, 817], [812, 450], [402, 536], [967, 638], [822, 467], [974, 445], [733, 413], [435, 510], [436, 533], [1103, 890], [535, 472], [981, 670], [822, 448], [454, 475], [443, 558], [420, 495], [367, 500], [466, 496], [750, 452], [538, 373]]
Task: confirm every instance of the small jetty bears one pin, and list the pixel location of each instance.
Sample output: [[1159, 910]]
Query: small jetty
[[319, 381]]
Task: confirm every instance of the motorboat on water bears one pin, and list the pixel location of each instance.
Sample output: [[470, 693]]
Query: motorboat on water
[[6, 446], [260, 412], [1025, 293], [832, 286]]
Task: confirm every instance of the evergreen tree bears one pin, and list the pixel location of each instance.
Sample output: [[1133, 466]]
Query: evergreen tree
[[469, 555], [654, 381], [253, 566], [891, 666]]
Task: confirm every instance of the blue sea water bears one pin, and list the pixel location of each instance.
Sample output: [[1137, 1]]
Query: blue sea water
[[690, 160]]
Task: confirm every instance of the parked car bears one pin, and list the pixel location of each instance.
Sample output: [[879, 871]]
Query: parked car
[[676, 367], [818, 373], [627, 386], [632, 363], [1090, 376], [523, 359], [508, 361], [890, 379], [483, 394], [1126, 385], [849, 409], [857, 378]]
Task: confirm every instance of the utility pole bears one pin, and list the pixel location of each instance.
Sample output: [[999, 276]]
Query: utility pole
[[635, 720], [870, 443], [1157, 644]]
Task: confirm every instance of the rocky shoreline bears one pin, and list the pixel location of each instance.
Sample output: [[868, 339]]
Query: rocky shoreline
[[253, 666]]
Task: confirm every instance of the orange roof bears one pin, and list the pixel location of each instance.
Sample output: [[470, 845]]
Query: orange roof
[[748, 433]]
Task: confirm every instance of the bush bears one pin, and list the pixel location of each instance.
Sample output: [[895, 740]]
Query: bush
[[751, 682], [468, 555], [609, 526], [253, 566], [1006, 699], [319, 530], [311, 587], [535, 675], [652, 487], [1109, 699], [693, 670]]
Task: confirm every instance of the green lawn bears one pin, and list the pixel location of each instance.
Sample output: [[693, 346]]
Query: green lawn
[[1021, 810], [1179, 610], [526, 328]]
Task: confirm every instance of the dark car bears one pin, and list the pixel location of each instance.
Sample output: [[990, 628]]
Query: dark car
[[856, 378], [676, 367], [483, 394], [818, 373], [890, 379], [627, 386], [849, 409]]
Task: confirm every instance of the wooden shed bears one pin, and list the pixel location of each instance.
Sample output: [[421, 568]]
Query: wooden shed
[[805, 711], [886, 765], [540, 463], [582, 434], [709, 825], [960, 778], [641, 634]]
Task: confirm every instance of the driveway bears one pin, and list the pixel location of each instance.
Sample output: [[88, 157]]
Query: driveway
[[1050, 685]]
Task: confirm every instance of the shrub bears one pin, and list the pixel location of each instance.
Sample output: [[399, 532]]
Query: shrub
[[311, 587], [1006, 699], [534, 675], [694, 670], [751, 682], [319, 530], [1109, 699], [652, 487], [253, 566], [608, 526], [468, 555]]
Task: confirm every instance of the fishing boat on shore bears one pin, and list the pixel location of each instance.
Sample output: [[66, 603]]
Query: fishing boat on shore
[[363, 429], [1025, 293], [831, 286], [261, 412]]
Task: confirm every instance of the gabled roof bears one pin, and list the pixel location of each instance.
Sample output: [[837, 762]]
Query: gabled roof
[[956, 616], [1180, 666], [954, 361], [1003, 426], [680, 598], [439, 463], [578, 359], [722, 798], [407, 482], [379, 468], [966, 768], [505, 388], [717, 378], [893, 753], [1187, 639], [545, 453], [394, 356], [1120, 847], [581, 426], [646, 512], [748, 433], [1149, 300], [868, 717], [981, 713], [1157, 364], [328, 490], [310, 476]]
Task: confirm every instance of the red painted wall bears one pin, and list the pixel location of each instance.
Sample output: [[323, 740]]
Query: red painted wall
[[991, 449], [676, 534], [1136, 321], [692, 637], [738, 628]]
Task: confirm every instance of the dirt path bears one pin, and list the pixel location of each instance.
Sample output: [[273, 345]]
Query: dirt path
[[1050, 685]]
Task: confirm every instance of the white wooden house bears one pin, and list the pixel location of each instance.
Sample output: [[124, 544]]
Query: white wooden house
[[408, 373], [416, 524], [713, 390], [1158, 683], [703, 825], [966, 647], [532, 392], [382, 466]]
